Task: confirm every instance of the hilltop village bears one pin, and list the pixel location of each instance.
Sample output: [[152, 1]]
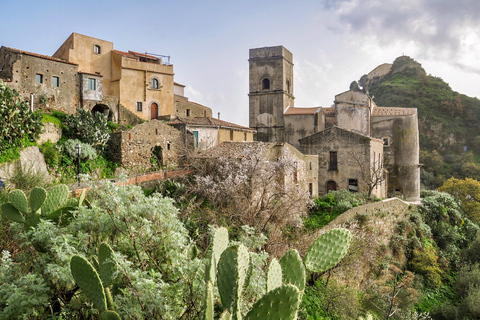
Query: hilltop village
[[354, 144]]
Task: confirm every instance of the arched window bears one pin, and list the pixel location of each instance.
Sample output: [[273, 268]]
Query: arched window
[[154, 83], [266, 84]]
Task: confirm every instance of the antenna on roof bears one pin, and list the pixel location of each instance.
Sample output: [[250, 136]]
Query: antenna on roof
[[161, 56]]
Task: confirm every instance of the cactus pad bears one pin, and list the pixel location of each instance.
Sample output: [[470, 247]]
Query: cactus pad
[[12, 213], [89, 281], [82, 197], [56, 198], [293, 270], [72, 202], [109, 315], [225, 316], [211, 270], [279, 304], [19, 200], [31, 221], [37, 198], [220, 243], [209, 306], [106, 264], [62, 215], [274, 275], [232, 271], [327, 251]]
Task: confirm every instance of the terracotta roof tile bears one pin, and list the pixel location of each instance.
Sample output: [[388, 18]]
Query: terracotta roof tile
[[208, 122], [41, 56], [329, 111], [380, 111], [293, 110], [125, 54], [143, 55]]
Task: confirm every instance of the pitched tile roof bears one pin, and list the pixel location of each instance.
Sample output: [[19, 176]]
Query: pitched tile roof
[[329, 111], [380, 111], [40, 56], [125, 54], [293, 110], [208, 122]]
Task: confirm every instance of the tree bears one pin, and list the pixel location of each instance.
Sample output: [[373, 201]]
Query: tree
[[372, 172], [89, 128], [354, 86], [248, 188], [17, 122], [468, 193]]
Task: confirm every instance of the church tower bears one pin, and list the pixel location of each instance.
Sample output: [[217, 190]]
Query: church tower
[[270, 92]]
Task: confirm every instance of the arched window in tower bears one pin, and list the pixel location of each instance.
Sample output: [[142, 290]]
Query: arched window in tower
[[266, 84], [154, 83], [288, 86]]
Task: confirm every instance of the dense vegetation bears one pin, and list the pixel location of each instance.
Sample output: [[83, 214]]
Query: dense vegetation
[[449, 121]]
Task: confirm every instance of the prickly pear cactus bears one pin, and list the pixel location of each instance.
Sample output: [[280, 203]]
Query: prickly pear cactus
[[19, 200], [12, 213], [293, 270], [209, 307], [220, 243], [232, 271], [109, 315], [37, 198], [56, 198], [89, 282], [327, 251], [279, 304], [106, 264], [274, 275]]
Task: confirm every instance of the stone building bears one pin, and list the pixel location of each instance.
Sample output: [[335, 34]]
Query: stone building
[[347, 160], [49, 81], [274, 116], [188, 109], [152, 140], [209, 132], [143, 83], [304, 174]]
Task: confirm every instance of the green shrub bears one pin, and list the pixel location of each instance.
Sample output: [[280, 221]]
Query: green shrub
[[88, 128], [49, 118], [87, 151], [50, 153], [112, 126]]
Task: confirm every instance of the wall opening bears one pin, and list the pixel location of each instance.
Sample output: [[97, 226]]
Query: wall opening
[[266, 84], [331, 186]]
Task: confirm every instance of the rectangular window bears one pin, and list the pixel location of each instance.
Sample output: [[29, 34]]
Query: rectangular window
[[244, 136], [385, 141], [231, 135], [55, 82], [92, 85], [97, 49], [139, 106], [195, 135], [353, 185], [39, 78], [310, 189], [187, 112], [333, 165]]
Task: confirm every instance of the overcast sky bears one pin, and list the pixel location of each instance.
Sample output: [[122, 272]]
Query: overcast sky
[[333, 41]]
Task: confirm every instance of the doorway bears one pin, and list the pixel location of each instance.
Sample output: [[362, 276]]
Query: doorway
[[154, 111], [331, 186]]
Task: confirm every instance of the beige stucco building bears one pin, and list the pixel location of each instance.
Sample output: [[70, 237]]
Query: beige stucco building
[[143, 83]]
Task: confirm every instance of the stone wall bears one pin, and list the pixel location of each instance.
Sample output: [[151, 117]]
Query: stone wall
[[135, 147], [22, 69], [50, 132], [187, 109]]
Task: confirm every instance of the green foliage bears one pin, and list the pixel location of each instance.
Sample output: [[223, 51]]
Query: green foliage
[[50, 153], [468, 193], [51, 118], [331, 205], [17, 122], [88, 128], [424, 262], [87, 151], [89, 282], [112, 126]]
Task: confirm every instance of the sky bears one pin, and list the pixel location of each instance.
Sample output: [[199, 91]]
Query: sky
[[333, 41]]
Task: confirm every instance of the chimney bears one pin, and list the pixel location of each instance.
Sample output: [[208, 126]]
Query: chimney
[[219, 116]]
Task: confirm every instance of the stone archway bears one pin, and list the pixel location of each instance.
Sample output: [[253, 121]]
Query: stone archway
[[157, 156], [101, 108]]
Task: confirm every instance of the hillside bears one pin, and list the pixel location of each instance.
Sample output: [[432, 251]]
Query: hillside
[[448, 120]]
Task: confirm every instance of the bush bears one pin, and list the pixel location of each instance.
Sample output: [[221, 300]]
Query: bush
[[17, 122], [88, 128], [50, 153], [87, 151]]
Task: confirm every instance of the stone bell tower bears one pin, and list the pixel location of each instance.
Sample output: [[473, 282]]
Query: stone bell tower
[[270, 92]]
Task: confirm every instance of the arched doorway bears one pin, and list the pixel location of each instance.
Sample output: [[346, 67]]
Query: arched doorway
[[156, 157], [331, 186], [101, 108], [154, 111]]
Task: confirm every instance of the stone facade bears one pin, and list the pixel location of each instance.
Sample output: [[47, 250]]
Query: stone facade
[[153, 139], [345, 159], [53, 82], [189, 110], [209, 132], [273, 115], [270, 91]]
